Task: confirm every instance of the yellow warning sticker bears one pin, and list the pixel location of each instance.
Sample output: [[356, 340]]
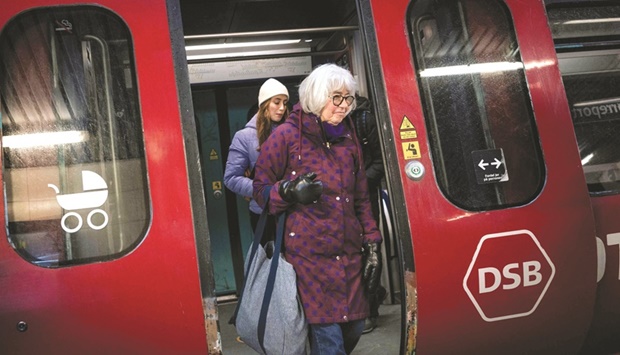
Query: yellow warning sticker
[[407, 129], [411, 150], [408, 134], [217, 185], [213, 155], [406, 124]]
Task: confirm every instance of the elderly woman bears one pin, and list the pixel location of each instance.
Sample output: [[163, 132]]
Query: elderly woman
[[311, 168]]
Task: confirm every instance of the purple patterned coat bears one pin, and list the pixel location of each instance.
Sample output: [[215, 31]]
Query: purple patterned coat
[[324, 239]]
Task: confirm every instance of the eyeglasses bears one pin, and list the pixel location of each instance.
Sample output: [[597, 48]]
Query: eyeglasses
[[338, 99]]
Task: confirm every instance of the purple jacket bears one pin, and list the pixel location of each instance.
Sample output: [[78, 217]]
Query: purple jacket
[[242, 156], [324, 239]]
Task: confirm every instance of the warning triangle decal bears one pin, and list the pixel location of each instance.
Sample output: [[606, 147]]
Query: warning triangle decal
[[406, 124]]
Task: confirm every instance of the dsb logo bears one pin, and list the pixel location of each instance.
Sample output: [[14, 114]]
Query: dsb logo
[[508, 275], [513, 274]]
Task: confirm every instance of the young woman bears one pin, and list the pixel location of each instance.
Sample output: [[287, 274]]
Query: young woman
[[245, 146], [311, 168]]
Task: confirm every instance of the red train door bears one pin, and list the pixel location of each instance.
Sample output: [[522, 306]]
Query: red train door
[[502, 234], [99, 254]]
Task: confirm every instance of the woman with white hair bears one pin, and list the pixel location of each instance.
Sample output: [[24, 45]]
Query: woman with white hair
[[311, 167]]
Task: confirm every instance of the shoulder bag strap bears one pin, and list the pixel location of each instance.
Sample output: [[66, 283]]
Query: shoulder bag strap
[[262, 320]]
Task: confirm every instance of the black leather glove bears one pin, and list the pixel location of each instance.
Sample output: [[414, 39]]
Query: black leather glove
[[302, 190], [371, 273]]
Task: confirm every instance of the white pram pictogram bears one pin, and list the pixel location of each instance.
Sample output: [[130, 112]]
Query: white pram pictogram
[[95, 195]]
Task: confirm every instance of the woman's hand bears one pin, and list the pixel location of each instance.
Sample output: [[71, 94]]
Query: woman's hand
[[371, 273], [302, 190]]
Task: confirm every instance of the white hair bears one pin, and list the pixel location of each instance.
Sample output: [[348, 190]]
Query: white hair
[[322, 82]]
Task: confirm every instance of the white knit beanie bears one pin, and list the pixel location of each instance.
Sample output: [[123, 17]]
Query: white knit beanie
[[269, 89]]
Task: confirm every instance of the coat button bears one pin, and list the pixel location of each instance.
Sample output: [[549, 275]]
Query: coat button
[[338, 198], [345, 318], [338, 257], [346, 199], [291, 234]]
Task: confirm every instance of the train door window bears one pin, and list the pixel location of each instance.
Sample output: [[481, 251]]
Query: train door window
[[587, 41], [480, 121], [75, 184]]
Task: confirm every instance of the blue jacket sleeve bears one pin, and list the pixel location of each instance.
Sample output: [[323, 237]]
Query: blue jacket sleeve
[[236, 165]]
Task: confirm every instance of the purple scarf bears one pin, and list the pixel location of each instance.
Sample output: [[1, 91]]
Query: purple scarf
[[333, 133]]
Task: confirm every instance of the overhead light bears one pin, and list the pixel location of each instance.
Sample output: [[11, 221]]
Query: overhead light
[[43, 139], [206, 47], [471, 69], [245, 54], [590, 21], [245, 49], [611, 101]]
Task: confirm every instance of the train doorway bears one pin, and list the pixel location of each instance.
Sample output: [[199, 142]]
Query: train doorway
[[225, 76]]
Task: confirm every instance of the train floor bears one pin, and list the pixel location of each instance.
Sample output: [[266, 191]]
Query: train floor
[[385, 339]]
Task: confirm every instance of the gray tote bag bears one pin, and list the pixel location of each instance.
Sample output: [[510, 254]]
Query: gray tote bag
[[269, 316]]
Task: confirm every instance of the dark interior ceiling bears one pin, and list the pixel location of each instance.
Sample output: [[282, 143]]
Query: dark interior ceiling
[[319, 25], [228, 16]]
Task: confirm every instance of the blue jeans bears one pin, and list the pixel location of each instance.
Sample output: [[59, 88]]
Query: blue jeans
[[335, 338]]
